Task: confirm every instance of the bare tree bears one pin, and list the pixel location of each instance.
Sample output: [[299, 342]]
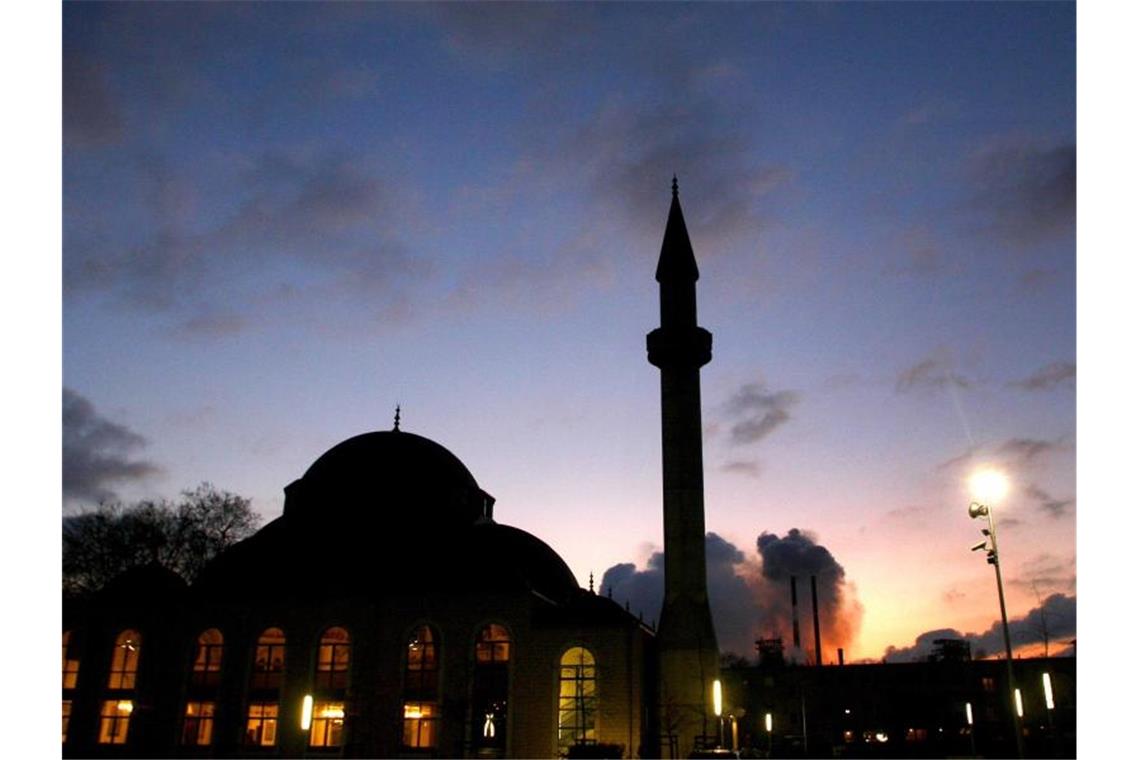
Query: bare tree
[[98, 545]]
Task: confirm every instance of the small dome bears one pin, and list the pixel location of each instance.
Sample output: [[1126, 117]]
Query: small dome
[[392, 472]]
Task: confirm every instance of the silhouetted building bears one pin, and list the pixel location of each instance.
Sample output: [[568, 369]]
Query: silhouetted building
[[385, 613], [686, 641]]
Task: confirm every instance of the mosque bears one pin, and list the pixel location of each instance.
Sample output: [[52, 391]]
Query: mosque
[[386, 613]]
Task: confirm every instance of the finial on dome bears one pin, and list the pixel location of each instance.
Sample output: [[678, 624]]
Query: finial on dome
[[396, 425], [591, 581], [674, 185]]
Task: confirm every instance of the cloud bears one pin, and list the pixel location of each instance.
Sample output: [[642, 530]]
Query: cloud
[[289, 222], [931, 373], [755, 412], [1025, 191], [1059, 613], [96, 452], [1027, 449], [1046, 573], [92, 114], [1055, 508], [750, 593], [1049, 377], [747, 467]]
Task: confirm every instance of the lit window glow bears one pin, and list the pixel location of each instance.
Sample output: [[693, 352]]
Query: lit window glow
[[70, 664], [328, 725], [114, 721], [124, 661], [333, 658], [208, 659], [420, 722], [198, 724], [261, 724], [577, 698], [269, 659]]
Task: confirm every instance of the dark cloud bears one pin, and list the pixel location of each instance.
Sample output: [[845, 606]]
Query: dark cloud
[[1059, 613], [1046, 573], [1055, 508], [1027, 449], [97, 452], [92, 114], [1049, 377], [754, 412], [750, 594], [1026, 192], [318, 225], [927, 374]]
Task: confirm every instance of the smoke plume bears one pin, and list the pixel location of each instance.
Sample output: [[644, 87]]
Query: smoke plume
[[750, 594]]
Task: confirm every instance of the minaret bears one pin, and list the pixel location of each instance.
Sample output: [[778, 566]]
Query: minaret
[[689, 660]]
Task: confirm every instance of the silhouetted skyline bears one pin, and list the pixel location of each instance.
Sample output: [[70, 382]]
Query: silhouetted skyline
[[281, 221]]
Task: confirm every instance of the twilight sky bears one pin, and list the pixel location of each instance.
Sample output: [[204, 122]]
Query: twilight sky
[[281, 220]]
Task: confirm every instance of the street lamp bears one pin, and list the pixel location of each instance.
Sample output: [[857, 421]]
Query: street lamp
[[718, 706], [768, 728], [988, 487]]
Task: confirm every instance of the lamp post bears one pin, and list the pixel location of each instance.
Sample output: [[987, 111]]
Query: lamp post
[[989, 486], [970, 724]]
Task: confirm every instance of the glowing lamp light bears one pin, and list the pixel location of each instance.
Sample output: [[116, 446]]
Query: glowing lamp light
[[412, 712], [1017, 702], [969, 714], [307, 712], [489, 726], [1048, 685], [988, 485], [718, 699], [125, 706], [332, 712], [768, 722], [881, 737]]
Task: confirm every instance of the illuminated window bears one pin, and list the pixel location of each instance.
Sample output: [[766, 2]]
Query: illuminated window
[[70, 665], [493, 644], [261, 724], [420, 724], [577, 698], [269, 659], [421, 676], [988, 684], [124, 662], [332, 660], [489, 689], [198, 724], [208, 659], [66, 717], [114, 720], [327, 729]]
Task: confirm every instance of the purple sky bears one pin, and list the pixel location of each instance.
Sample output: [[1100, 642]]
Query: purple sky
[[281, 220]]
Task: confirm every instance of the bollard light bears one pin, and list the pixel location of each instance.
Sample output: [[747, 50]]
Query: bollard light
[[1017, 701], [768, 722], [1048, 685], [969, 714], [717, 698]]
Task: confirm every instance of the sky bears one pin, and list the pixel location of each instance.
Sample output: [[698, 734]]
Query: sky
[[281, 220]]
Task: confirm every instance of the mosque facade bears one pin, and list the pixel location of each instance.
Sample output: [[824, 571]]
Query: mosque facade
[[386, 613]]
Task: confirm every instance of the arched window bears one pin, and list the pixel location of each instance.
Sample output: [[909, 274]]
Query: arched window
[[208, 659], [421, 689], [115, 720], [125, 661], [269, 659], [70, 664], [577, 698], [333, 659], [489, 689]]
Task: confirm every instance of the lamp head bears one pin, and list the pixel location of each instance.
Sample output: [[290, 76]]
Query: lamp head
[[978, 510], [988, 485]]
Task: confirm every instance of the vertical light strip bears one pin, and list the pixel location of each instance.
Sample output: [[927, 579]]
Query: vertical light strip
[[768, 722], [718, 701], [306, 712], [1048, 684], [969, 714], [1017, 701]]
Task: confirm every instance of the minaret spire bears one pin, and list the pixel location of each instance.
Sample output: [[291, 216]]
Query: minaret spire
[[689, 658], [396, 422]]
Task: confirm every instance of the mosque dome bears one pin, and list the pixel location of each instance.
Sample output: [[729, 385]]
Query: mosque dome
[[381, 475]]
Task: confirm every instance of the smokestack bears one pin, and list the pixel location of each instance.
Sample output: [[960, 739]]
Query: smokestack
[[841, 656], [815, 621], [795, 617]]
